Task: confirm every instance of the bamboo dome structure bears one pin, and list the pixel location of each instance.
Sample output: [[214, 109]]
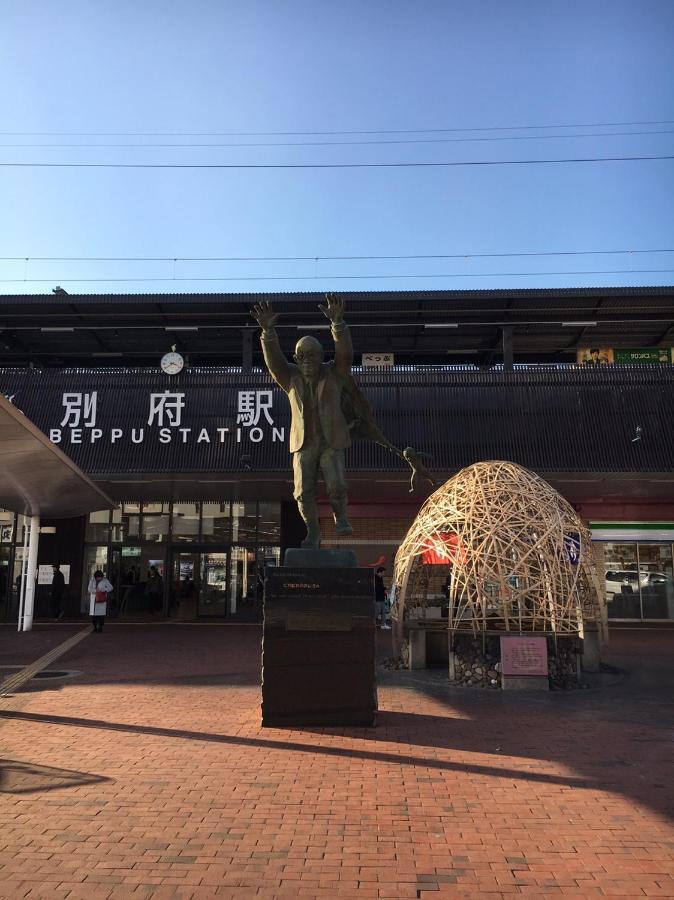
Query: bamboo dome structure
[[505, 552]]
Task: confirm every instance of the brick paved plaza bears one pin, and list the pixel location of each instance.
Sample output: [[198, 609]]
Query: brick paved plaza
[[148, 775]]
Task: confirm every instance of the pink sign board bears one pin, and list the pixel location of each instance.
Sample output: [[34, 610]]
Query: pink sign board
[[524, 655]]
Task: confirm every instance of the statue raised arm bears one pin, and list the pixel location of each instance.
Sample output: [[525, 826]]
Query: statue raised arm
[[327, 408]]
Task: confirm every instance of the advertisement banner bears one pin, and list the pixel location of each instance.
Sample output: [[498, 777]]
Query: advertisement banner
[[594, 356], [654, 355], [604, 356]]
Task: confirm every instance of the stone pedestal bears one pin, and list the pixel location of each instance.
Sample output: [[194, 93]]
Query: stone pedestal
[[318, 647], [417, 648], [591, 661]]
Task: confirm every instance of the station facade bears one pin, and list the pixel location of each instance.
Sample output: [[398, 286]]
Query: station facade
[[199, 467], [198, 463]]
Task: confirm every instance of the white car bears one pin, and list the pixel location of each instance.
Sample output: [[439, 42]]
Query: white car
[[616, 579]]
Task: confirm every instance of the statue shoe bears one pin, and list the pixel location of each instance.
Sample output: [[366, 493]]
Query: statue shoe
[[313, 540], [343, 526]]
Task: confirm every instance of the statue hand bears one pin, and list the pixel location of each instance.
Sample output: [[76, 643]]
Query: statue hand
[[334, 310], [264, 315]]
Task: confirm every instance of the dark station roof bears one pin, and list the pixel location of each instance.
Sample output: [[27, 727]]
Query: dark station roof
[[36, 478], [60, 329]]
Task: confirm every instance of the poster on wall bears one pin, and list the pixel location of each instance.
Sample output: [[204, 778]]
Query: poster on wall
[[605, 356], [45, 574], [594, 356]]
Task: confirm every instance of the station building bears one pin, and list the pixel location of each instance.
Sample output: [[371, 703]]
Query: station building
[[195, 453]]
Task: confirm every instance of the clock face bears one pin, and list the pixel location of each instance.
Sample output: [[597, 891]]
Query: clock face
[[172, 363]]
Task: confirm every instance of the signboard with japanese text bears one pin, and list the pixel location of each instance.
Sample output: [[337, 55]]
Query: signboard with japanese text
[[654, 355], [378, 360], [524, 655], [110, 422], [45, 574]]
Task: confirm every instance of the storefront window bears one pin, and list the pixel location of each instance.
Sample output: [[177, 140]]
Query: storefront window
[[154, 508], [213, 593], [269, 523], [6, 526], [155, 528], [622, 581], [186, 522], [215, 524], [125, 526], [656, 581], [244, 521], [98, 527], [22, 527]]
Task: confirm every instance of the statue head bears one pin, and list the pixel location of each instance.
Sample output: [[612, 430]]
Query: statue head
[[309, 356]]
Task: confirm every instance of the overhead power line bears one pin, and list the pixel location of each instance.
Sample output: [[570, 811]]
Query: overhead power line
[[357, 165], [299, 144], [65, 279], [327, 133], [324, 258]]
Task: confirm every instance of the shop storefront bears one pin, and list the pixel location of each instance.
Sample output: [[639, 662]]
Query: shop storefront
[[187, 560], [638, 569]]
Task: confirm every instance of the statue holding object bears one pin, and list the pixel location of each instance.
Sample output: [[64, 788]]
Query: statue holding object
[[327, 411]]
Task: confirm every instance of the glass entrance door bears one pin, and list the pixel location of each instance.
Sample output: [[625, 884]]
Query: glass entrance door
[[212, 596], [244, 585], [185, 585]]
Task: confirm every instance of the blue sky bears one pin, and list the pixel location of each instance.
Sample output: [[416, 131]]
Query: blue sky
[[172, 68]]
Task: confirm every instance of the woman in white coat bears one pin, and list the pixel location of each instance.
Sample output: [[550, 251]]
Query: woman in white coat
[[99, 588]]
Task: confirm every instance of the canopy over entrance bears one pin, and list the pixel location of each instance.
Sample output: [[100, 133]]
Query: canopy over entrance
[[36, 478]]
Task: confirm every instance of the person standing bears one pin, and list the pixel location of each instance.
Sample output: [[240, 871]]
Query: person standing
[[58, 587], [154, 590], [99, 590], [380, 596]]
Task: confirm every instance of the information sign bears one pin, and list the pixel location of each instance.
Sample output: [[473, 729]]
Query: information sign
[[524, 655], [45, 574]]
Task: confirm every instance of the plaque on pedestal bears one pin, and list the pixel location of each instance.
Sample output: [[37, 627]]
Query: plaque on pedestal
[[524, 661], [318, 647]]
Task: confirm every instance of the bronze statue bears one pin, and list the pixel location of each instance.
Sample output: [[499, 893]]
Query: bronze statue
[[327, 410]]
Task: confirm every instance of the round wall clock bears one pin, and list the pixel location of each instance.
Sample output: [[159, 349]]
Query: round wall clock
[[172, 363]]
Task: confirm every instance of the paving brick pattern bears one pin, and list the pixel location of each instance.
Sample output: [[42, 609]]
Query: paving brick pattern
[[149, 776]]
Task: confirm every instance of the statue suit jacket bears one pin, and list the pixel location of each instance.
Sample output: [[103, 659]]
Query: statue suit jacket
[[330, 386]]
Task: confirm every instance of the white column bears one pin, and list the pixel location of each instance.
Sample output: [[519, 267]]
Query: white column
[[22, 582], [29, 602]]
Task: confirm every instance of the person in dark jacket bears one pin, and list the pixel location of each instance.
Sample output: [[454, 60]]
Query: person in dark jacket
[[380, 595], [58, 589]]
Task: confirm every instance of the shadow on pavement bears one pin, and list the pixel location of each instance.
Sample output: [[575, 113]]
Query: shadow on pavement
[[18, 777]]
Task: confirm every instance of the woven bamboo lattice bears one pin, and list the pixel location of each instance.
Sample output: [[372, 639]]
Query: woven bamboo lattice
[[504, 551]]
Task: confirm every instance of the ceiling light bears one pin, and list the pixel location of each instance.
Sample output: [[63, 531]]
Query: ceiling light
[[313, 327], [181, 328], [442, 325], [578, 324], [57, 329]]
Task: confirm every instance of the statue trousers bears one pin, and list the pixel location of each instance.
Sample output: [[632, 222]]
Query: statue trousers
[[307, 463]]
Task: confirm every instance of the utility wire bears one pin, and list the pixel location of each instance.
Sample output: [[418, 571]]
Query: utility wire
[[392, 165], [64, 279], [321, 258], [324, 133], [248, 146]]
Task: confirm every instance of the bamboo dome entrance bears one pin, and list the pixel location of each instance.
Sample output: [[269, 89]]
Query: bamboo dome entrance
[[502, 552]]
